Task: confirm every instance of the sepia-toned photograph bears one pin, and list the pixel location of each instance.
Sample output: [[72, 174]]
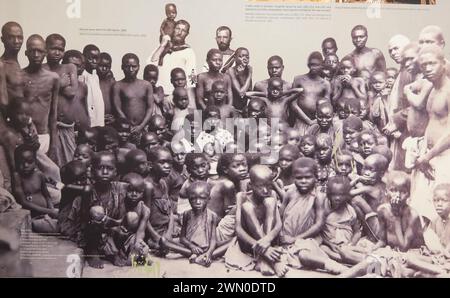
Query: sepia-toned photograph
[[182, 139]]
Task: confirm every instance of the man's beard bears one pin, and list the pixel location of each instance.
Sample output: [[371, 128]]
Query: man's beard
[[223, 46], [178, 40]]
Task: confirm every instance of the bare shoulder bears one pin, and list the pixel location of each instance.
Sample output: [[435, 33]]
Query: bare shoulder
[[69, 67], [384, 210], [9, 138], [377, 52], [202, 76], [50, 74], [413, 215], [299, 78]]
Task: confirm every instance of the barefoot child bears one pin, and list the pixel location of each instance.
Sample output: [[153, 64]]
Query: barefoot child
[[303, 208], [77, 185], [258, 223], [369, 193], [233, 178], [133, 204], [32, 193], [157, 197], [198, 231], [103, 210], [168, 27], [400, 229]]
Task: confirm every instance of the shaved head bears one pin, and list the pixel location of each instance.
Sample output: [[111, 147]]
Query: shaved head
[[396, 46], [33, 38], [8, 26], [260, 172]]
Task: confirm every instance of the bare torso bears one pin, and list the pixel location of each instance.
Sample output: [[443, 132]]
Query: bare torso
[[14, 79], [417, 118], [133, 97], [263, 85], [106, 87], [313, 90], [38, 93], [368, 59], [32, 188], [438, 111], [66, 73], [78, 108]]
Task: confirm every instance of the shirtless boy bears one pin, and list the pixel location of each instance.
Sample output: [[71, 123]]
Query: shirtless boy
[[56, 44], [241, 78], [258, 223], [314, 88], [206, 79], [42, 92], [133, 98], [275, 68], [107, 81]]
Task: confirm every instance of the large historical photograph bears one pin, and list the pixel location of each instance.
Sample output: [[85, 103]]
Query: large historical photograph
[[180, 140]]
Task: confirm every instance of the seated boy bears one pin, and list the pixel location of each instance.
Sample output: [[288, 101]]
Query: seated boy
[[258, 223], [337, 226], [198, 231], [157, 197], [123, 238], [303, 207], [198, 168], [400, 230], [135, 229], [31, 191], [75, 177], [369, 193]]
